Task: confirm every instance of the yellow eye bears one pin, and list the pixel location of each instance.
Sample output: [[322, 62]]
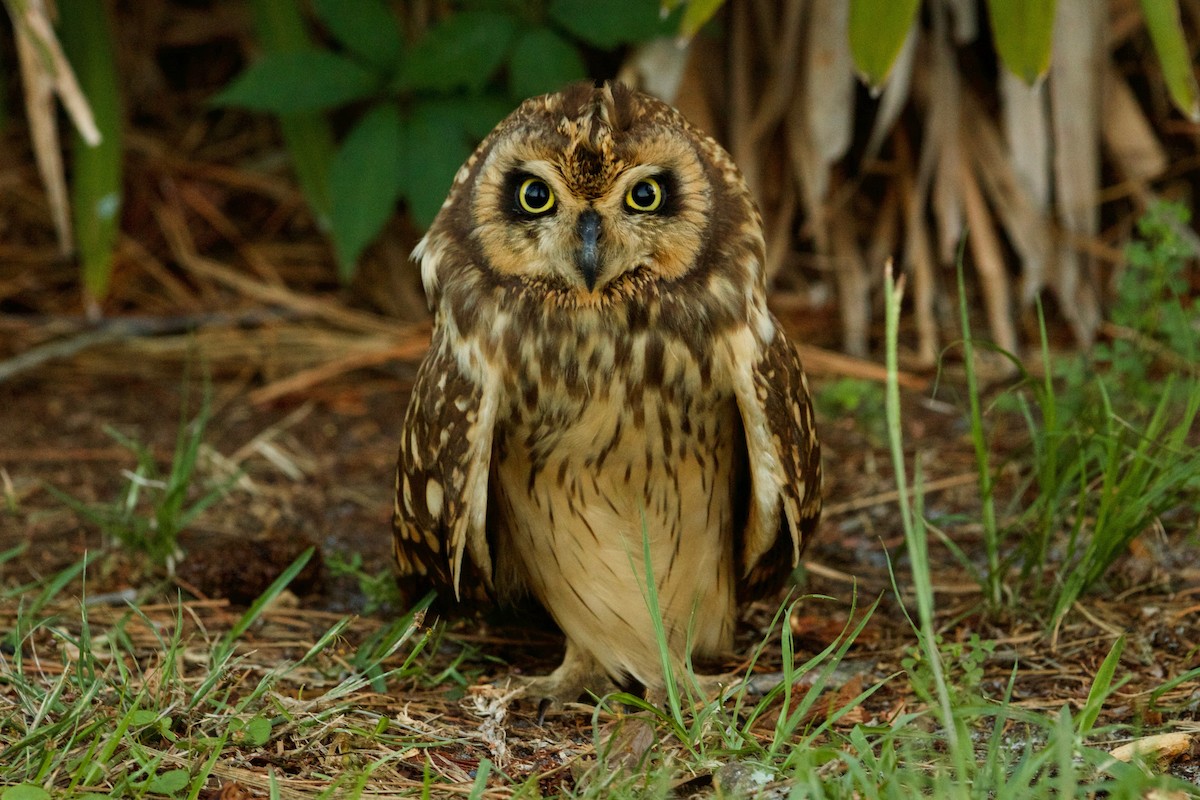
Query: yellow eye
[[535, 196], [645, 195]]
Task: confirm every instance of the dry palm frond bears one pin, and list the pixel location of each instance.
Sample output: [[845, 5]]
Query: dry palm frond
[[970, 151]]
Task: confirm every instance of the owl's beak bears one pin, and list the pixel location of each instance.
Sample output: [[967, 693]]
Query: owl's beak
[[587, 258]]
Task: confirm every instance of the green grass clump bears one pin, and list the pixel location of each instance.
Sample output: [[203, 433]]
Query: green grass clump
[[1112, 434], [100, 712], [154, 506], [1113, 442]]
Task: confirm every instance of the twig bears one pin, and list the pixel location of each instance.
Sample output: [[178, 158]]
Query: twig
[[407, 348], [120, 329], [819, 361], [892, 495]]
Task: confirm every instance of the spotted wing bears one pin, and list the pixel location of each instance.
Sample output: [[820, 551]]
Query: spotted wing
[[442, 476], [784, 459]]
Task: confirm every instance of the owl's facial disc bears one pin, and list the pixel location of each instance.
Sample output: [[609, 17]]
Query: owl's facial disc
[[576, 198]]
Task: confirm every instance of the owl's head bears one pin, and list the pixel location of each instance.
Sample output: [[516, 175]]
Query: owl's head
[[589, 191]]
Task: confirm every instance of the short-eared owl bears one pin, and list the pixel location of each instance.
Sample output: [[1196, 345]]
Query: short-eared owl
[[604, 380]]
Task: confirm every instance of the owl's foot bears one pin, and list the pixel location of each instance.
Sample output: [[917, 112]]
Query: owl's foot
[[578, 675]]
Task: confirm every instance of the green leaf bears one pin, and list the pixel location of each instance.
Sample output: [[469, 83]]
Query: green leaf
[[258, 731], [97, 190], [299, 81], [169, 782], [365, 27], [142, 717], [464, 51], [1102, 687], [280, 27], [541, 62], [695, 14], [364, 183], [611, 24], [476, 114], [437, 145], [25, 791], [878, 29], [1023, 31], [1166, 32]]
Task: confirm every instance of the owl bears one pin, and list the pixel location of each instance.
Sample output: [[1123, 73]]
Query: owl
[[606, 400]]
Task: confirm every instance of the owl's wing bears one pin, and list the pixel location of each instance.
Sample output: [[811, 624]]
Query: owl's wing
[[442, 474], [783, 455]]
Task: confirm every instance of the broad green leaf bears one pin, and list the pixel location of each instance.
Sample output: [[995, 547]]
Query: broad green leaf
[[281, 28], [299, 81], [142, 717], [464, 51], [1023, 31], [695, 14], [436, 147], [474, 114], [364, 183], [611, 24], [366, 28], [97, 189], [258, 731], [1166, 32], [309, 141], [169, 782], [541, 62], [25, 791], [878, 29], [479, 114], [1102, 687]]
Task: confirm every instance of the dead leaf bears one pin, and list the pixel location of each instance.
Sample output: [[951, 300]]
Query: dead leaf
[[1163, 747], [628, 745]]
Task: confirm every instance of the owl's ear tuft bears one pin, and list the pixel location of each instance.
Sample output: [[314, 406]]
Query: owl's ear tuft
[[619, 99]]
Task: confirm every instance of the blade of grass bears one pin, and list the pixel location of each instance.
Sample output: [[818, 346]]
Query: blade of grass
[[914, 532], [991, 535], [481, 777], [1102, 687], [96, 176], [224, 648]]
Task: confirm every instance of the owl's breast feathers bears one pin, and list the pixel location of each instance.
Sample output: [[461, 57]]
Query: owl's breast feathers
[[570, 389]]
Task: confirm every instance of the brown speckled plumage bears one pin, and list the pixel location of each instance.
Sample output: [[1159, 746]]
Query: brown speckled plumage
[[554, 426]]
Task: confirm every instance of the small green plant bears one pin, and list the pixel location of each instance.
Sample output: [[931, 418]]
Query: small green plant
[[1155, 324], [420, 107], [854, 397], [154, 507], [967, 658], [379, 589]]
